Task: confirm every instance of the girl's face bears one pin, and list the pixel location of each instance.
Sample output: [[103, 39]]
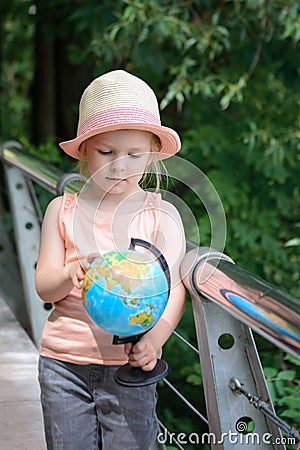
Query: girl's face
[[116, 160]]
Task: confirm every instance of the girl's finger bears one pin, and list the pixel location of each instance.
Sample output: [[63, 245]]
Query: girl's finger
[[138, 347], [149, 366], [92, 256], [76, 283], [128, 348]]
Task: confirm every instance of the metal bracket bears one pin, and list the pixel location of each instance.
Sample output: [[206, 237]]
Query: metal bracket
[[293, 436], [218, 365], [227, 349], [27, 236]]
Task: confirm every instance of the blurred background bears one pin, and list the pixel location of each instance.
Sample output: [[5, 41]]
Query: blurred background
[[227, 77]]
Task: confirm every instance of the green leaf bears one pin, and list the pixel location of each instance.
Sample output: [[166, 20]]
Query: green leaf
[[279, 386], [291, 414], [292, 359], [287, 375], [270, 372], [194, 379], [293, 402]]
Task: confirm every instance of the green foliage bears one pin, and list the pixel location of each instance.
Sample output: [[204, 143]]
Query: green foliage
[[17, 66], [284, 387]]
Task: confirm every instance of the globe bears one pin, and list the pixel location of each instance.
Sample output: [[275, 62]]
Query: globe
[[125, 292]]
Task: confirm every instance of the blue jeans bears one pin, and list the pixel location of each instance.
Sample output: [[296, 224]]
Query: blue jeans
[[85, 409]]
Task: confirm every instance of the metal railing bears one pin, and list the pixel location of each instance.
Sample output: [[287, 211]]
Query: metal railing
[[260, 305], [228, 303]]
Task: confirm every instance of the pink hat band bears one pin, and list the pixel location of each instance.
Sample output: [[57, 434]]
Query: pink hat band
[[116, 117], [118, 100]]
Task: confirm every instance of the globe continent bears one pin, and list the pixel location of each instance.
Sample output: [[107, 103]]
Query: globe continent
[[125, 292]]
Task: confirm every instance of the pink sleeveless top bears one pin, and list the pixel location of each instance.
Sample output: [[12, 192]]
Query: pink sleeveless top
[[69, 334]]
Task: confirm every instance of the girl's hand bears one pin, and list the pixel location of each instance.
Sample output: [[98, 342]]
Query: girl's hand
[[142, 354], [76, 270]]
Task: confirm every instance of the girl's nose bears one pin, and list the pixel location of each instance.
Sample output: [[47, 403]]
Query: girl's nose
[[118, 165]]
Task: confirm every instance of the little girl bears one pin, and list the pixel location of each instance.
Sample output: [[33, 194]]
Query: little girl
[[119, 136]]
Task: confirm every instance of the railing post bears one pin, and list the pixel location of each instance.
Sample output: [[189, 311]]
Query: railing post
[[227, 349], [27, 237], [10, 285]]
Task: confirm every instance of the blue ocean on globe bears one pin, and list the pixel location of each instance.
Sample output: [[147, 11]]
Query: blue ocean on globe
[[125, 292]]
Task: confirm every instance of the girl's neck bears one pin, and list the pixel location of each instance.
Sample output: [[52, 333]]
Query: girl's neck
[[107, 204]]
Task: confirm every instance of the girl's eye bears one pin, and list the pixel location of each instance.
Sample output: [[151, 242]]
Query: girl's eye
[[104, 152], [135, 155]]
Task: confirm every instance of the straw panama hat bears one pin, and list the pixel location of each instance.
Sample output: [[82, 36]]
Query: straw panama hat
[[119, 100]]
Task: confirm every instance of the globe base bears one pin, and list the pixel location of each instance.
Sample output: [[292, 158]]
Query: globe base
[[135, 377]]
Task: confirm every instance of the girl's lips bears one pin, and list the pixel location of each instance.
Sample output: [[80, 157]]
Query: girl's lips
[[115, 179]]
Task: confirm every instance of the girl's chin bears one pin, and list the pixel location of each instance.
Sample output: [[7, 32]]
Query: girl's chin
[[109, 185], [115, 186], [118, 188]]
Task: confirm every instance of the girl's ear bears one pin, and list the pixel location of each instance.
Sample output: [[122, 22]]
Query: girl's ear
[[153, 157], [155, 149], [82, 151]]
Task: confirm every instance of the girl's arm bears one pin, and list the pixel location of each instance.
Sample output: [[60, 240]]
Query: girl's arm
[[54, 280], [171, 242]]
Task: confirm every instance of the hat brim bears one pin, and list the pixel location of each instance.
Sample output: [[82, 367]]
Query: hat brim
[[170, 141]]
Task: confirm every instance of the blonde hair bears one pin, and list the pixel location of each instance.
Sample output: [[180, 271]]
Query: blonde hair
[[154, 171]]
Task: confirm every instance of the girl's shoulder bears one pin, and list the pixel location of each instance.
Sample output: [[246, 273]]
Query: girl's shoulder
[[66, 202], [170, 217], [169, 207], [54, 206], [69, 202], [156, 201], [59, 211], [62, 204]]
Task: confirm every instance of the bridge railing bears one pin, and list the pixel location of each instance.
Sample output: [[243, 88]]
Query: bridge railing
[[228, 303]]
